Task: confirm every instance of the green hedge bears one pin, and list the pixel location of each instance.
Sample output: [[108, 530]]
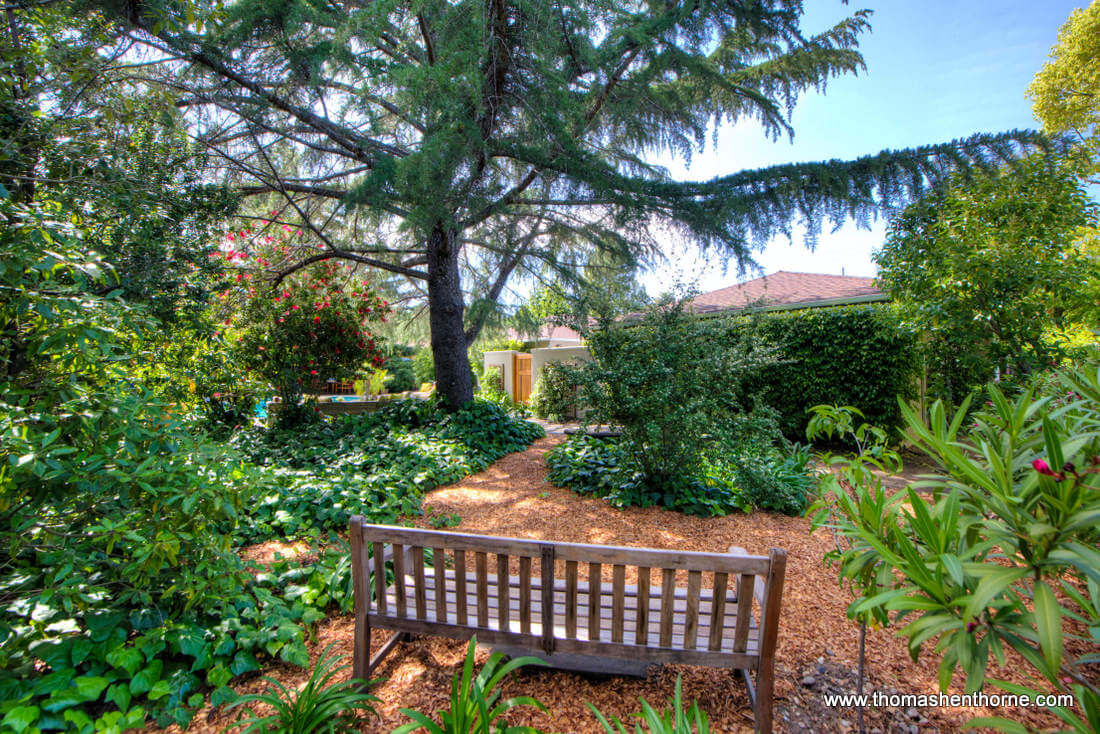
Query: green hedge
[[846, 355]]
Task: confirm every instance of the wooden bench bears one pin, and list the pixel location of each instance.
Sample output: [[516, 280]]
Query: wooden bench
[[528, 595]]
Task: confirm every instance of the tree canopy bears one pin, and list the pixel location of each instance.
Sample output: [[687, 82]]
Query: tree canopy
[[1066, 91], [989, 267], [434, 140]]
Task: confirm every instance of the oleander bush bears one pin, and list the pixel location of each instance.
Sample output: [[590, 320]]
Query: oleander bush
[[999, 552]]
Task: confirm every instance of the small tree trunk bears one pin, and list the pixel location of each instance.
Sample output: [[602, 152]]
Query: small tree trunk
[[445, 309]]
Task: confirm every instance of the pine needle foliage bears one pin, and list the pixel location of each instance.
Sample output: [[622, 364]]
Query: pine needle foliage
[[503, 137]]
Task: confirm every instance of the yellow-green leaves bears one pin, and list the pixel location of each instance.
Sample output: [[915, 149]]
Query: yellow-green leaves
[[1066, 92]]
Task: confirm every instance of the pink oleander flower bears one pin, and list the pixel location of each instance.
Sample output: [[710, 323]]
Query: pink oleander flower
[[1044, 468]]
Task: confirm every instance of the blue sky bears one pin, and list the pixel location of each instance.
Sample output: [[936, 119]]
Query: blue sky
[[936, 70]]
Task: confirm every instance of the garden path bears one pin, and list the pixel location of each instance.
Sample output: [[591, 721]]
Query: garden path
[[817, 646]]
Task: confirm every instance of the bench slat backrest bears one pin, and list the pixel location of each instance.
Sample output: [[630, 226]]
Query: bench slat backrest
[[518, 594]]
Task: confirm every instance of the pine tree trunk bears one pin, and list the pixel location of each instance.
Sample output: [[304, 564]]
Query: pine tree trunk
[[445, 308]]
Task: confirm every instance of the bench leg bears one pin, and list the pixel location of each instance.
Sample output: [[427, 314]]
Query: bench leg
[[762, 706], [361, 662]]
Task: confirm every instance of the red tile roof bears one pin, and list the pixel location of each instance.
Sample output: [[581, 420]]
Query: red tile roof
[[786, 289], [548, 332]]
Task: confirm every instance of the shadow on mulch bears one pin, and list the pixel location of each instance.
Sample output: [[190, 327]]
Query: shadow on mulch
[[512, 498]]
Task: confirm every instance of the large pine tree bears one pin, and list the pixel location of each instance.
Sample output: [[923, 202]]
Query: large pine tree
[[422, 137]]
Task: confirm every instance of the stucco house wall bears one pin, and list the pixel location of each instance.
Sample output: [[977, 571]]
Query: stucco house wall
[[503, 359], [542, 357]]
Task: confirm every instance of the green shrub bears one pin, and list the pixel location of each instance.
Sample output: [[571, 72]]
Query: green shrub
[[401, 375], [424, 366], [554, 396], [670, 381], [1000, 553], [852, 355]]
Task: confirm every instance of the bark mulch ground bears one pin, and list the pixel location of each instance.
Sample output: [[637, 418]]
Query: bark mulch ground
[[818, 645]]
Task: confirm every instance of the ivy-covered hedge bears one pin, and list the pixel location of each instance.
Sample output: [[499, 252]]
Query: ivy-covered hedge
[[849, 355]]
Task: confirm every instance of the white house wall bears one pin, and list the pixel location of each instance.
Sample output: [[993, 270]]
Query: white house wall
[[506, 359], [540, 357]]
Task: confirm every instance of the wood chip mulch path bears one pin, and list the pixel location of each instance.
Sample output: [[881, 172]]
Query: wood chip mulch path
[[512, 498]]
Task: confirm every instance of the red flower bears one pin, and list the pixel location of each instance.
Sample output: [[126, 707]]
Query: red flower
[[1044, 468], [316, 319], [313, 372]]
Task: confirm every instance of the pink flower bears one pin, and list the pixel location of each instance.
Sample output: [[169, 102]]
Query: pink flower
[[1044, 468]]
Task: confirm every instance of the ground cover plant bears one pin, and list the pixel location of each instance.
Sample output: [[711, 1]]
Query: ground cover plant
[[378, 463], [80, 653]]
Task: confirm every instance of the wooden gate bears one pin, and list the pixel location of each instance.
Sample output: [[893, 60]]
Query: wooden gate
[[521, 376]]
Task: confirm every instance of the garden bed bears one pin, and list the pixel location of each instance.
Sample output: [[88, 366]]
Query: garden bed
[[511, 497]]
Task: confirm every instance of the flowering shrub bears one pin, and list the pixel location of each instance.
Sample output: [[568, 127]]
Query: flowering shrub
[[311, 325]]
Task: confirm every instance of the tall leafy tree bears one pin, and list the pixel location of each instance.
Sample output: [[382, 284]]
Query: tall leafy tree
[[605, 285], [1066, 91], [427, 138], [988, 268]]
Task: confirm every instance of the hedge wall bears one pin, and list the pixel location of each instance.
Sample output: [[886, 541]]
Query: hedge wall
[[847, 355]]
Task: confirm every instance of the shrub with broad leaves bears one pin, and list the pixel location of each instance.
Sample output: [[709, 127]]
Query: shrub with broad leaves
[[998, 552]]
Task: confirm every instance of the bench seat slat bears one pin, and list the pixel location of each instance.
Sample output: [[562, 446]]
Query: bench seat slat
[[581, 553], [653, 652], [718, 610], [652, 638]]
